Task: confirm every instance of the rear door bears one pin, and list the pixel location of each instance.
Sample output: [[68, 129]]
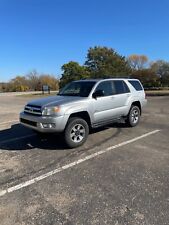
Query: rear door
[[122, 96]]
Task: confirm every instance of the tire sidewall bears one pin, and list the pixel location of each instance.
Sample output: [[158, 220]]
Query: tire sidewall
[[130, 122], [71, 123]]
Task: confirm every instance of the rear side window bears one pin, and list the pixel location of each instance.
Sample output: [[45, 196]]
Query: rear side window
[[121, 87], [136, 84]]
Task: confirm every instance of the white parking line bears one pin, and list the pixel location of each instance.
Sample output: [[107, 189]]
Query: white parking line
[[70, 165], [12, 121]]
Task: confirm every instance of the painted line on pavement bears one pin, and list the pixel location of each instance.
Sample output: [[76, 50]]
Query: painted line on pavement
[[12, 121], [70, 165]]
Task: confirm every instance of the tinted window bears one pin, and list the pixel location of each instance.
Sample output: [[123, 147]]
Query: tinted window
[[136, 84], [106, 86], [81, 88], [121, 87], [126, 88]]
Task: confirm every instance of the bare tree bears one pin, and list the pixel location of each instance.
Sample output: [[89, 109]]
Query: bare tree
[[34, 81], [138, 62]]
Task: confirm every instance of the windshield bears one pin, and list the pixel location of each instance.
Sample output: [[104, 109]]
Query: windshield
[[80, 88]]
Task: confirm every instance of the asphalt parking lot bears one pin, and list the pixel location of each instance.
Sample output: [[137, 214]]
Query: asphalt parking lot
[[119, 176]]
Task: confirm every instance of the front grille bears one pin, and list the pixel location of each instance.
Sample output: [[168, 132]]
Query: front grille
[[32, 109], [32, 123]]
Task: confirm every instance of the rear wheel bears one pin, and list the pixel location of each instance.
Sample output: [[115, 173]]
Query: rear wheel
[[133, 117], [76, 132]]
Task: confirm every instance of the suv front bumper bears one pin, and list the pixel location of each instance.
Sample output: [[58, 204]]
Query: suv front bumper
[[44, 124]]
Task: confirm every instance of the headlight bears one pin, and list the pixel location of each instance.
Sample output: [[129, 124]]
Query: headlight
[[49, 111]]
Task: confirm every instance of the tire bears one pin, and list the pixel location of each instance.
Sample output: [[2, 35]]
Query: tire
[[133, 117], [76, 132]]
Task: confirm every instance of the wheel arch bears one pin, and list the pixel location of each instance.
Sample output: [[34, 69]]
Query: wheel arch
[[83, 115], [138, 104]]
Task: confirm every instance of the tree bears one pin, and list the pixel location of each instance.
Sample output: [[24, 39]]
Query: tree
[[4, 87], [49, 80], [34, 81], [147, 77], [103, 62], [72, 71], [161, 68], [137, 62], [1, 87], [19, 83]]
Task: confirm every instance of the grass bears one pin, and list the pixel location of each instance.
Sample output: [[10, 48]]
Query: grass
[[37, 95], [157, 92]]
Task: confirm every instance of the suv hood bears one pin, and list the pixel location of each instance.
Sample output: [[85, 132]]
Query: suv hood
[[54, 101]]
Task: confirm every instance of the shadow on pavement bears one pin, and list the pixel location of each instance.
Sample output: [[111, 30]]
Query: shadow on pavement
[[20, 138]]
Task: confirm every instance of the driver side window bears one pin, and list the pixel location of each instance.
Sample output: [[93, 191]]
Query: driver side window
[[106, 87]]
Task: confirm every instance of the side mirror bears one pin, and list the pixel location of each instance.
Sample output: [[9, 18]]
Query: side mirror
[[98, 93]]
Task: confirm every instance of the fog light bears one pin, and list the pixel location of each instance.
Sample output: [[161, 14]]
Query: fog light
[[48, 125]]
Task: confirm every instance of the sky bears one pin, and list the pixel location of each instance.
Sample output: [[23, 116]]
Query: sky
[[45, 34]]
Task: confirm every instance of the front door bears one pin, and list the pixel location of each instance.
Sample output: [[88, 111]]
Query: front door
[[103, 105], [113, 104]]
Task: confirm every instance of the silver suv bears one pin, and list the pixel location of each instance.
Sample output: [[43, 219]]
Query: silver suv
[[86, 104]]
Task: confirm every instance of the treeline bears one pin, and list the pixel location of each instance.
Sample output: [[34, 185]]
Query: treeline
[[101, 62], [31, 82], [151, 74]]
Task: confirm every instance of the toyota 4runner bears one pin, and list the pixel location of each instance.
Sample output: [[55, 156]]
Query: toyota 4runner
[[86, 104]]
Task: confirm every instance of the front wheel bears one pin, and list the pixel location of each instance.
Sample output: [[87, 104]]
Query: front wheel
[[76, 132], [133, 117]]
